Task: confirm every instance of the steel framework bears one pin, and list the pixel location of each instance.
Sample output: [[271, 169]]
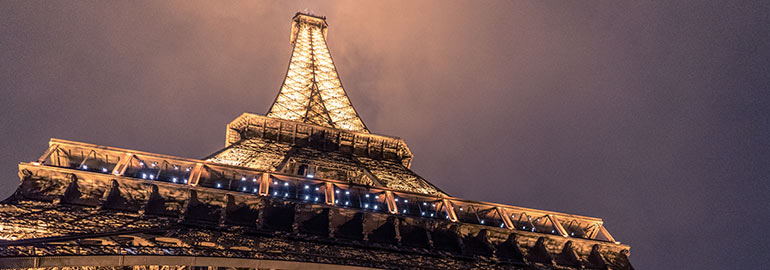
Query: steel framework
[[307, 186]]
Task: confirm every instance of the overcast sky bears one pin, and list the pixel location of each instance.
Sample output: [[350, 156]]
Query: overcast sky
[[652, 116]]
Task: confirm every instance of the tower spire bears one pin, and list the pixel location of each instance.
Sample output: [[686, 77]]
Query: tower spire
[[312, 91]]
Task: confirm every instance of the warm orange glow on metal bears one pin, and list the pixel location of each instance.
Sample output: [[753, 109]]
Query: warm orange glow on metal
[[264, 184], [506, 218], [329, 193], [392, 207], [450, 210], [195, 175], [594, 229], [312, 91]]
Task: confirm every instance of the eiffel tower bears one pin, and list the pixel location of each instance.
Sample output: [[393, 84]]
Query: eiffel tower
[[306, 186]]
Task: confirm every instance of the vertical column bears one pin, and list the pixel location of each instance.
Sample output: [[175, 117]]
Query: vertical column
[[330, 193], [390, 200], [264, 184]]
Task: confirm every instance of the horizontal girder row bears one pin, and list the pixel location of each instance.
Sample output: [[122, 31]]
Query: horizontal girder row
[[441, 246], [138, 260], [250, 125], [247, 182]]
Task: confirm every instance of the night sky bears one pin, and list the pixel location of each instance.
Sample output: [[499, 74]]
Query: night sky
[[652, 116]]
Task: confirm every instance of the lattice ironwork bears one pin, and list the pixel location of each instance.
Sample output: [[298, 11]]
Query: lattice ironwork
[[307, 186], [312, 91]]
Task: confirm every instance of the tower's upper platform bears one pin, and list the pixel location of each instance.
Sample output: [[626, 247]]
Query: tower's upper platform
[[312, 91]]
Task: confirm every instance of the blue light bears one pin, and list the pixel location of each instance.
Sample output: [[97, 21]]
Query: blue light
[[482, 221], [309, 176], [244, 189], [375, 207], [255, 190], [104, 169], [316, 199], [184, 180], [173, 179], [404, 211], [275, 193], [366, 205], [286, 184], [144, 176], [307, 197], [243, 178], [85, 167], [219, 185], [306, 186], [367, 195], [347, 192]]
